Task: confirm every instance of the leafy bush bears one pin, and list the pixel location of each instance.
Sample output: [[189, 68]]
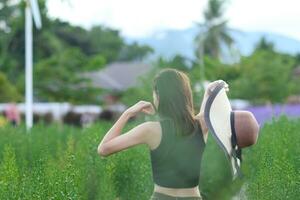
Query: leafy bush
[[61, 162], [8, 92], [272, 168]]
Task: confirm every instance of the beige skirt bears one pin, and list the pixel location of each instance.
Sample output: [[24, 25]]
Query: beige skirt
[[160, 196]]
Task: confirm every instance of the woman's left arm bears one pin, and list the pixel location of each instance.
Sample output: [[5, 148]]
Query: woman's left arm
[[113, 141]]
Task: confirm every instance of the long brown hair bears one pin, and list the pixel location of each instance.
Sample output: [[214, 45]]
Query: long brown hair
[[175, 99]]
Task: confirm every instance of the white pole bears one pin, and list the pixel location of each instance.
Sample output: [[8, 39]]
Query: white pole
[[28, 67]]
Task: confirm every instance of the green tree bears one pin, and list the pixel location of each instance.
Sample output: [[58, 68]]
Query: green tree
[[61, 52], [135, 52], [95, 62], [12, 40], [215, 70], [10, 17], [213, 35], [58, 79], [264, 44], [9, 174], [7, 91], [178, 62], [297, 57], [105, 41], [265, 77]]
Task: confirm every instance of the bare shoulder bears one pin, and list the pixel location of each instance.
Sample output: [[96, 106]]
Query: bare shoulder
[[150, 127], [153, 134], [153, 124], [153, 128]]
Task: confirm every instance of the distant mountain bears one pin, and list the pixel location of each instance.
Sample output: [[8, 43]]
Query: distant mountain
[[171, 42]]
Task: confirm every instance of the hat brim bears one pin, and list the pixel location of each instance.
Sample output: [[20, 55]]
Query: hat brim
[[218, 118]]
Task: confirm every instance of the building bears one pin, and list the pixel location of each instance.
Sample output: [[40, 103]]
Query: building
[[118, 76]]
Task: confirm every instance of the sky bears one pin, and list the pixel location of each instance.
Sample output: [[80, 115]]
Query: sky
[[141, 18]]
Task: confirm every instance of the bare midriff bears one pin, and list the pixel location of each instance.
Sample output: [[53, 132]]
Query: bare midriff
[[178, 192]]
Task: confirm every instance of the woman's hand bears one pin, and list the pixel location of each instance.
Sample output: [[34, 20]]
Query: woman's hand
[[141, 106], [211, 86]]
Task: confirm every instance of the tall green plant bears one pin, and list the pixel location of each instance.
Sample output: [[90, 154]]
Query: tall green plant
[[213, 34]]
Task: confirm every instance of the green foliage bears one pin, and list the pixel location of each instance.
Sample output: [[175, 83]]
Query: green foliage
[[135, 52], [272, 165], [263, 44], [105, 41], [213, 35], [61, 162], [265, 76], [63, 176], [9, 174], [214, 70], [96, 62], [214, 9], [61, 52], [7, 91], [215, 172], [178, 62], [58, 79]]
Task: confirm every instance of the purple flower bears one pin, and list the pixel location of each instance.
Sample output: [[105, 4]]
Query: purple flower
[[267, 112]]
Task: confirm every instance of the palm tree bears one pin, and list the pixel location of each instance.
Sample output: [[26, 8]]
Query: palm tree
[[214, 33], [213, 36], [264, 44]]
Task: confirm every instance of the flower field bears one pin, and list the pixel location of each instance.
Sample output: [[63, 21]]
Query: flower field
[[266, 113], [61, 162]]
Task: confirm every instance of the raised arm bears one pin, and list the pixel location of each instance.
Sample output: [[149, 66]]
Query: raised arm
[[113, 141]]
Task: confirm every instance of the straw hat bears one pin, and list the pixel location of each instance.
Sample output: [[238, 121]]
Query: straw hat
[[232, 130]]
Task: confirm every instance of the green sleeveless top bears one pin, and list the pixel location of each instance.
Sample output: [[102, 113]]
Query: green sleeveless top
[[176, 161]]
